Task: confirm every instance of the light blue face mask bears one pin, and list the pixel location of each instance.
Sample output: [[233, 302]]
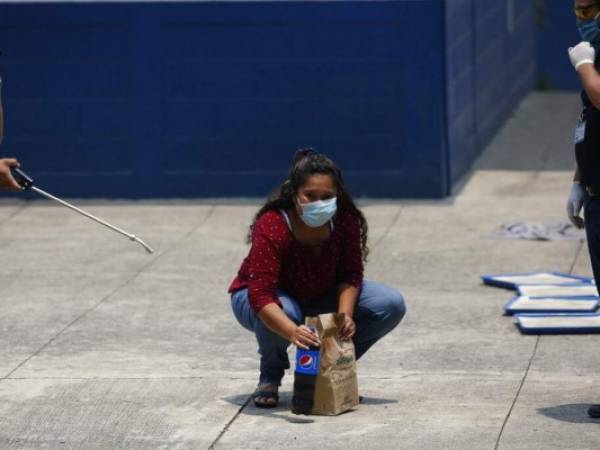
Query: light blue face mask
[[316, 214], [589, 31]]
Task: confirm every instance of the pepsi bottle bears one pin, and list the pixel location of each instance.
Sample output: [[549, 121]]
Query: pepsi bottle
[[308, 363]]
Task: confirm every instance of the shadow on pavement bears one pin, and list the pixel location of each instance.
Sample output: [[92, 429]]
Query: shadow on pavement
[[282, 411], [573, 413], [376, 401]]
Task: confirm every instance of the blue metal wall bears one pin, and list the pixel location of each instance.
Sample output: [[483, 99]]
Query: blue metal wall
[[557, 32], [143, 100], [490, 67]]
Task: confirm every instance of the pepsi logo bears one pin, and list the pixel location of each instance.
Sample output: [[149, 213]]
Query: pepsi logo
[[305, 361]]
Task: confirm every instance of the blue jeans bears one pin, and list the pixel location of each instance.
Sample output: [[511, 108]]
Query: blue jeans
[[378, 310]]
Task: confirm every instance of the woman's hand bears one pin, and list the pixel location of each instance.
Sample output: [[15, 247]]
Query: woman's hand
[[349, 328], [303, 337], [347, 298]]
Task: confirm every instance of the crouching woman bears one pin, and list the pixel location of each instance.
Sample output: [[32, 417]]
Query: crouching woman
[[308, 246]]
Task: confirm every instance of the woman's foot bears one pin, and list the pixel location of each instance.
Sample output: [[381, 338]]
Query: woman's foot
[[266, 395]]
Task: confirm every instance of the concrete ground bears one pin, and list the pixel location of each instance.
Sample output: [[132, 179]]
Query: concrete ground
[[105, 347]]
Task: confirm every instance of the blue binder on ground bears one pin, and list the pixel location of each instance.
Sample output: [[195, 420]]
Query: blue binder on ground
[[513, 281], [524, 304], [571, 323]]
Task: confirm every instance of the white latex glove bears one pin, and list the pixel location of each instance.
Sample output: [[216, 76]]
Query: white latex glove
[[582, 53], [574, 205]]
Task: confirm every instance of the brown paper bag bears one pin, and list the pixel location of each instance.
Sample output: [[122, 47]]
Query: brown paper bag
[[336, 389]]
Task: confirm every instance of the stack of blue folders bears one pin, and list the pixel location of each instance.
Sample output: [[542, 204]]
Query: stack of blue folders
[[550, 302]]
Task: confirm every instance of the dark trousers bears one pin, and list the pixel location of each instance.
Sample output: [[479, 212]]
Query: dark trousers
[[592, 230]]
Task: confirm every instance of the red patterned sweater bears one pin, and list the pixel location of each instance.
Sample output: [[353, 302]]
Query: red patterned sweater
[[278, 261]]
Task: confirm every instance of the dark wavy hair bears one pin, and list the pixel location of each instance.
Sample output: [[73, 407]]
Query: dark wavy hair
[[308, 162]]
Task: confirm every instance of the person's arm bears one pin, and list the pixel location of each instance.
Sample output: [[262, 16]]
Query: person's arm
[[6, 179], [277, 321], [590, 80], [265, 259], [7, 182], [349, 274], [582, 58], [347, 298]]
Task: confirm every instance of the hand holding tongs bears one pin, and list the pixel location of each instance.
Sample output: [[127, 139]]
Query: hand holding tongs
[[26, 183]]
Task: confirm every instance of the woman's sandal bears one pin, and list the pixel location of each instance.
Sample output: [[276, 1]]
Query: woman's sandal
[[266, 395]]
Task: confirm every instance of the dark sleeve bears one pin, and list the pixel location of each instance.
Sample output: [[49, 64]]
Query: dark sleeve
[[350, 269], [264, 265]]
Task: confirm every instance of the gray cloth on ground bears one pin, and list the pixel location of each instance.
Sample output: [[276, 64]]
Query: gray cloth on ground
[[562, 231]]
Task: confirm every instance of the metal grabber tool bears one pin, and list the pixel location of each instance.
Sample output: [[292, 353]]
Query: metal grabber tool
[[26, 183]]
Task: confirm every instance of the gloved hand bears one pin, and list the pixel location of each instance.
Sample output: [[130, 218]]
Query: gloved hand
[[574, 205], [582, 53]]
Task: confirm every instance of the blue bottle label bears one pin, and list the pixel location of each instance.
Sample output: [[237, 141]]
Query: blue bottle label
[[308, 362]]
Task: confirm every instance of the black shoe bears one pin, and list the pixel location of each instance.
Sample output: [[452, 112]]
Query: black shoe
[[594, 411]]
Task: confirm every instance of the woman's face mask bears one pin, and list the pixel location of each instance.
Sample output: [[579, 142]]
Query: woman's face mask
[[316, 214], [317, 200]]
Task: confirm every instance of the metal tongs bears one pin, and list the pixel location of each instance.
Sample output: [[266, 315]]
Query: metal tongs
[[26, 183]]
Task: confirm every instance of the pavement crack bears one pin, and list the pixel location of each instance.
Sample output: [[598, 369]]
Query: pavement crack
[[13, 214], [111, 294], [514, 402], [125, 378], [8, 218], [389, 228], [226, 427], [537, 341]]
